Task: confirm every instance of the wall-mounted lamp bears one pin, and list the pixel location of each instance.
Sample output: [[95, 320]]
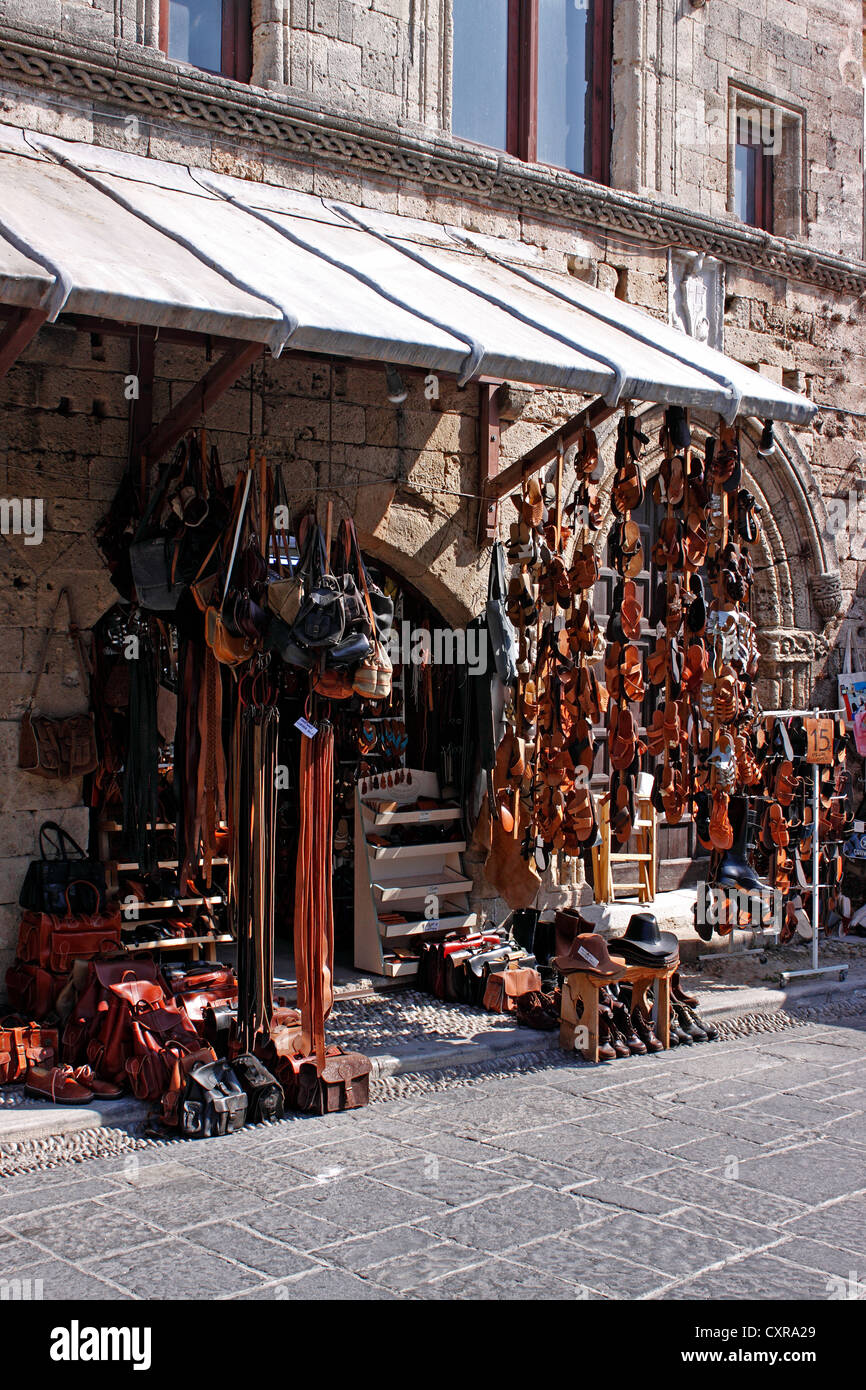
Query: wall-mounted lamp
[[767, 445], [396, 386]]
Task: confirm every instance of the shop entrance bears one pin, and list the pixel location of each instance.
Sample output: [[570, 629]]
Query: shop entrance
[[419, 727]]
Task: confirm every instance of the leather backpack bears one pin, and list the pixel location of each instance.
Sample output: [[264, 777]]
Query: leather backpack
[[24, 1045]]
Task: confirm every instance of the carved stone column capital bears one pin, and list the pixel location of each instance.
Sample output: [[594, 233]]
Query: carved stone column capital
[[827, 593]]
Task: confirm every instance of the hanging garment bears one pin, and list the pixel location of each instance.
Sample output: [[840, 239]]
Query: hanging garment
[[253, 815]]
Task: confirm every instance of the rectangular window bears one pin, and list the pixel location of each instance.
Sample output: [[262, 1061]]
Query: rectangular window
[[214, 35], [480, 67], [533, 77], [753, 184]]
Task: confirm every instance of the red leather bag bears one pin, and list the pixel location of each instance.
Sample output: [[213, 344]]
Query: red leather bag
[[101, 1019], [55, 942], [159, 1037], [24, 1045], [31, 990]]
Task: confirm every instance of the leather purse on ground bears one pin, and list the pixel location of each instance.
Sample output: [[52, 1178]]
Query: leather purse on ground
[[24, 1045], [265, 1097], [31, 990], [49, 880], [214, 1102], [344, 1083], [505, 987]]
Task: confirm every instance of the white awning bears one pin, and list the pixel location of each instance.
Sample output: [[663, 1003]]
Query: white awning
[[98, 232]]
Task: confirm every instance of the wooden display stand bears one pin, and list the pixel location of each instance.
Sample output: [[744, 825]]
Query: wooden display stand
[[604, 858], [409, 879], [147, 913], [582, 987]]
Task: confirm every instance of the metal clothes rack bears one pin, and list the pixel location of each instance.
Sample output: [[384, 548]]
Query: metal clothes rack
[[816, 969]]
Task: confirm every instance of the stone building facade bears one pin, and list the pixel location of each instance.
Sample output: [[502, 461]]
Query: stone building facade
[[353, 99]]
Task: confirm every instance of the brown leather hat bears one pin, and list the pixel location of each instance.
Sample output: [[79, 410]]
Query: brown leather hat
[[589, 952]]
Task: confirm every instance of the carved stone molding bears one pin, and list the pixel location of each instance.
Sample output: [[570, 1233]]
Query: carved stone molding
[[827, 593], [144, 80], [784, 646]]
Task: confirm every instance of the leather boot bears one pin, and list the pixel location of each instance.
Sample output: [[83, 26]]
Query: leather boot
[[677, 1032], [679, 994], [627, 1030], [688, 1025], [644, 1029], [705, 1027], [606, 1051], [611, 1033]]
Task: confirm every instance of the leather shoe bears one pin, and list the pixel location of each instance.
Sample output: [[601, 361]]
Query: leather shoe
[[103, 1090], [58, 1085], [706, 1028]]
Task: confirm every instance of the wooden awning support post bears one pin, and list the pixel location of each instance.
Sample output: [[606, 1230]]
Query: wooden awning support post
[[488, 439], [495, 488], [188, 412], [18, 332]]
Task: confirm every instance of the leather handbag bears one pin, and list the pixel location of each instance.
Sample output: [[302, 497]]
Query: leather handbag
[[283, 594], [265, 1097], [321, 620], [24, 1045], [164, 557], [58, 748], [213, 1103], [89, 1021], [230, 648], [344, 1084], [157, 1034], [31, 990], [48, 881], [505, 987], [503, 638], [56, 942]]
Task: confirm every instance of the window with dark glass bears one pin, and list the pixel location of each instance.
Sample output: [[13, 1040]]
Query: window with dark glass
[[753, 183], [215, 35], [533, 77]]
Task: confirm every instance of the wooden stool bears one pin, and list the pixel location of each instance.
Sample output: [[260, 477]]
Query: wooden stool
[[582, 987]]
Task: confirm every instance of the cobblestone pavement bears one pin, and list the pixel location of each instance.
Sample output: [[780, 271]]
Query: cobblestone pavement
[[723, 1171]]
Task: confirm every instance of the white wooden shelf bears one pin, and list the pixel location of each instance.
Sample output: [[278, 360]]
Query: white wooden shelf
[[409, 852], [386, 875]]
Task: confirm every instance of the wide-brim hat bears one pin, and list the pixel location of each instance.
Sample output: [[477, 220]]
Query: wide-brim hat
[[589, 952], [643, 938]]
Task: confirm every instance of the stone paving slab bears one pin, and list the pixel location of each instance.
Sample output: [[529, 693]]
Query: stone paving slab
[[725, 1172]]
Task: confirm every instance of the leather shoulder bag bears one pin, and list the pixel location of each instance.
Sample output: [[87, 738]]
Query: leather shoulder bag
[[59, 748]]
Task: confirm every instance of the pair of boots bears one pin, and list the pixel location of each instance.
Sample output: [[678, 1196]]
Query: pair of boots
[[686, 1027], [623, 1032]]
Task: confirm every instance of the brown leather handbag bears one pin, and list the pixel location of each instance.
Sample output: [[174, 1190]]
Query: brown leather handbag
[[229, 648], [343, 1084], [55, 942], [59, 749], [24, 1045], [505, 987], [32, 990]]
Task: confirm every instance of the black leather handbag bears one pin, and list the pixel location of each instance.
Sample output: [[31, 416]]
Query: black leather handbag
[[48, 881], [265, 1097]]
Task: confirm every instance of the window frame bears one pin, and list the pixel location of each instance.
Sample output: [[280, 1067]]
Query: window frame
[[522, 87], [236, 39], [764, 186]]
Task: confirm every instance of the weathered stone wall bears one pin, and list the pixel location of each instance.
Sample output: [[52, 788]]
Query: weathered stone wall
[[63, 417]]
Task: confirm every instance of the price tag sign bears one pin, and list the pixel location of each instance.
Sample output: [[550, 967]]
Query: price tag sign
[[819, 741], [432, 924], [423, 817], [307, 729]]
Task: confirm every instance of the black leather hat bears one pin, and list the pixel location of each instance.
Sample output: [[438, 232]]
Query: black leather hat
[[643, 942]]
